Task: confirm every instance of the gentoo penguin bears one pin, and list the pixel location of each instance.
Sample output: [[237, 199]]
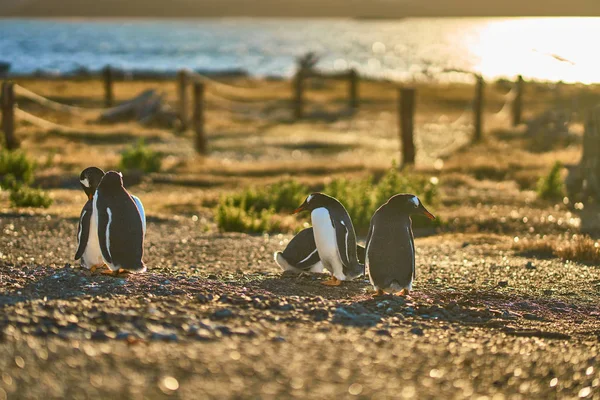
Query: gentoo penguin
[[301, 255], [120, 228], [334, 237], [390, 258], [88, 247]]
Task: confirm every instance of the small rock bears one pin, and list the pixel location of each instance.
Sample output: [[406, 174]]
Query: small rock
[[503, 283], [417, 331], [212, 277], [168, 337], [99, 335], [223, 313], [383, 332], [530, 265]]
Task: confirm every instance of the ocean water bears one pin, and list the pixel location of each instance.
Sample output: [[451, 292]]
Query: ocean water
[[539, 48]]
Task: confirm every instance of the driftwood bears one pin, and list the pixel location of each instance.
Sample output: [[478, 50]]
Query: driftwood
[[148, 108], [583, 180]]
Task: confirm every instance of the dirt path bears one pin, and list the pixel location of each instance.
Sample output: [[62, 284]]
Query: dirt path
[[214, 318]]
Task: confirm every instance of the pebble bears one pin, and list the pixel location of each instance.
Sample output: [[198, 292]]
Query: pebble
[[223, 313], [417, 331]]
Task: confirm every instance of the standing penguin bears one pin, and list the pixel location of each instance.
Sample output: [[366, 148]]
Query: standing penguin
[[301, 255], [88, 247], [120, 228], [335, 238], [390, 258]]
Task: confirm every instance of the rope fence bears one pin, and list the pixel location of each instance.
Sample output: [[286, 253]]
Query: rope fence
[[209, 93]]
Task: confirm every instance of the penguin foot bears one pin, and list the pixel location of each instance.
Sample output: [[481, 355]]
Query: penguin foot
[[403, 293], [333, 281], [110, 272], [122, 271], [96, 267], [379, 292]]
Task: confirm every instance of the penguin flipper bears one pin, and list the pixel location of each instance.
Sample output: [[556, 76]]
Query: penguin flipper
[[342, 236], [140, 207], [83, 231], [104, 220]]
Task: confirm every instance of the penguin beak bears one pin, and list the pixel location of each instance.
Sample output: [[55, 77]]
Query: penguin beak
[[90, 196], [427, 213], [299, 209]]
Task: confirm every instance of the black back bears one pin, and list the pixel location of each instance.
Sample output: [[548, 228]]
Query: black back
[[125, 233], [83, 230], [390, 247]]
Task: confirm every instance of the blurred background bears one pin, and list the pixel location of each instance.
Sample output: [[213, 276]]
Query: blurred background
[[197, 99]]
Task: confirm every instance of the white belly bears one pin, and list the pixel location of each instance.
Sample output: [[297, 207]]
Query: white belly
[[326, 242], [92, 254]]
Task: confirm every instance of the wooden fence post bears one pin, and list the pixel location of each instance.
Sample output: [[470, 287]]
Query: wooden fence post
[[298, 84], [8, 115], [406, 111], [108, 86], [353, 88], [517, 102], [182, 89], [478, 109], [200, 141]]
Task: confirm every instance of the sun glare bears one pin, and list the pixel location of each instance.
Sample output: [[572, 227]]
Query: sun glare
[[541, 48]]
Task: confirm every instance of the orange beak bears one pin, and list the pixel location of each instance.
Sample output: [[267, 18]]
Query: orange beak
[[90, 196], [299, 209], [428, 215]]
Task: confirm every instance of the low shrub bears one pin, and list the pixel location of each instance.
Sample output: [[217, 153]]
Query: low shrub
[[256, 209], [15, 169], [140, 157], [551, 186], [24, 196]]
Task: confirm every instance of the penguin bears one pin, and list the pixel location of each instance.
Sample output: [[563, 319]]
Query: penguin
[[334, 236], [390, 258], [301, 255], [120, 228], [88, 247]]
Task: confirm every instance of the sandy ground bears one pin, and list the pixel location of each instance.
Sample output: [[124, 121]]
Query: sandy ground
[[214, 318]]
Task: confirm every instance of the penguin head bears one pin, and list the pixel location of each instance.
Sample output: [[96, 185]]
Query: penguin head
[[314, 201], [90, 179], [409, 204], [112, 180]]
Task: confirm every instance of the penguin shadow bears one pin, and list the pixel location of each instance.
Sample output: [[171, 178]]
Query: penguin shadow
[[311, 285]]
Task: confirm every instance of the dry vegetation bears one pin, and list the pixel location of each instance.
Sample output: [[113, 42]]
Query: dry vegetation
[[228, 317]]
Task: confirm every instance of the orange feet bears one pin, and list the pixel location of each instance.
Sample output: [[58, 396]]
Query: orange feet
[[379, 292], [404, 292], [333, 281]]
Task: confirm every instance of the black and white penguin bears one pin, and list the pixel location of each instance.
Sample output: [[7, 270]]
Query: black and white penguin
[[120, 228], [390, 258], [301, 255], [334, 236], [88, 247]]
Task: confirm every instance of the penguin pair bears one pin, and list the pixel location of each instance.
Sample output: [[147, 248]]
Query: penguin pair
[[301, 254], [389, 255], [112, 224], [334, 238]]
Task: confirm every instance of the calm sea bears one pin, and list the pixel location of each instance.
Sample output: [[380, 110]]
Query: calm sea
[[540, 48]]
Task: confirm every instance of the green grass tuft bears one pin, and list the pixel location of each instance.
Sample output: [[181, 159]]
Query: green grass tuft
[[15, 169], [232, 218], [141, 158], [262, 209], [24, 196], [363, 197], [551, 186]]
